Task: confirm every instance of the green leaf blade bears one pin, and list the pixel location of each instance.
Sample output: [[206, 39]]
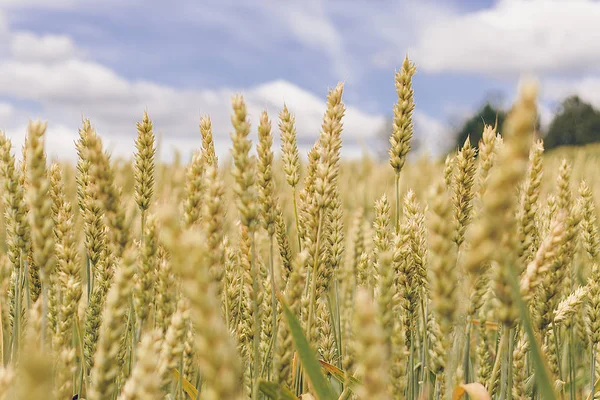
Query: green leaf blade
[[310, 363]]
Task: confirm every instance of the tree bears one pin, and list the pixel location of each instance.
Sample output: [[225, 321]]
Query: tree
[[473, 127], [576, 123], [489, 114]]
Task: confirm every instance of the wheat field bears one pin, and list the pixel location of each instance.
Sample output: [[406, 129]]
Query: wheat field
[[302, 276]]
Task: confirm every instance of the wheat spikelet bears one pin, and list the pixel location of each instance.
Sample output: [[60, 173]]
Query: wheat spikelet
[[172, 347], [589, 228], [208, 145], [266, 197], [144, 163], [194, 190], [403, 125], [463, 189], [444, 279], [68, 282], [293, 294], [105, 372], [213, 219], [499, 202], [289, 147], [40, 204], [485, 158], [545, 256], [146, 272], [528, 235], [144, 382], [567, 307], [370, 349]]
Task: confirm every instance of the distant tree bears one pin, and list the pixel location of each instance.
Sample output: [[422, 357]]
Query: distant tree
[[575, 123], [473, 127], [491, 113]]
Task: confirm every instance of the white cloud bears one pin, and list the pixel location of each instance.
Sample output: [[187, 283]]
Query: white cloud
[[67, 82], [49, 71], [433, 136], [60, 141], [310, 109], [74, 87], [26, 46], [514, 36], [311, 25], [556, 90], [546, 114], [392, 31], [588, 88], [6, 111], [266, 25]]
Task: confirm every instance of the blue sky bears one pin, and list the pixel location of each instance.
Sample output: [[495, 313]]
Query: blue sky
[[109, 60]]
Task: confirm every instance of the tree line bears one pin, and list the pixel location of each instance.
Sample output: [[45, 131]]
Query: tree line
[[575, 123]]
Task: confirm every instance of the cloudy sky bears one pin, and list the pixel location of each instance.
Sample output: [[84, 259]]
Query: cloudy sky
[[110, 60]]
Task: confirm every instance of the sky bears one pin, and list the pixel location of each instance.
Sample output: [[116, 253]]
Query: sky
[[110, 60]]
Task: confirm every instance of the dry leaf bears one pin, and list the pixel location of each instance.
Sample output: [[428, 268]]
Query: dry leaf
[[475, 390]]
